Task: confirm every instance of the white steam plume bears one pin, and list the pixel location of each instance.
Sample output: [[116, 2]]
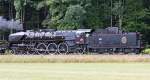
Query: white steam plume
[[11, 24]]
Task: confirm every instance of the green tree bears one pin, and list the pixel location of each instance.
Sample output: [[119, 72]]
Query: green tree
[[66, 14], [132, 15]]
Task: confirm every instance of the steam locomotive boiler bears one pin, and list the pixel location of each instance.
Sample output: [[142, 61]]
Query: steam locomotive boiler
[[45, 42], [36, 42]]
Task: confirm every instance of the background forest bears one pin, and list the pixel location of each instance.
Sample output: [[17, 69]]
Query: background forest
[[129, 15]]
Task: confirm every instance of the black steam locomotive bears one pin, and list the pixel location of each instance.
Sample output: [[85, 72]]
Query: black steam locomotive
[[49, 41]]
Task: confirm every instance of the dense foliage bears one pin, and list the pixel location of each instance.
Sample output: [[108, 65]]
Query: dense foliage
[[130, 15]]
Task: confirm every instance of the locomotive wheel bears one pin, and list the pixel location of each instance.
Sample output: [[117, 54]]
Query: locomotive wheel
[[63, 48], [31, 52], [2, 52], [41, 49], [15, 52], [79, 51], [52, 48], [12, 51], [22, 52]]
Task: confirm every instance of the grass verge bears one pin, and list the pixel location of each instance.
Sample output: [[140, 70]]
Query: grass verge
[[73, 58]]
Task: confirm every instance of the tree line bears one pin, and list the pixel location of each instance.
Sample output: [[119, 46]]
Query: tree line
[[129, 15]]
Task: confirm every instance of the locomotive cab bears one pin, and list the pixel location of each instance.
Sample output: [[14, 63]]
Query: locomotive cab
[[81, 40], [81, 35]]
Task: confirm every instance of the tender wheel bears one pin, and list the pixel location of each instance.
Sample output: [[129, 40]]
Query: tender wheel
[[52, 48], [137, 51], [41, 48], [62, 48]]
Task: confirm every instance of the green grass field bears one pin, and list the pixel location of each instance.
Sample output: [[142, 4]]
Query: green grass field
[[74, 71]]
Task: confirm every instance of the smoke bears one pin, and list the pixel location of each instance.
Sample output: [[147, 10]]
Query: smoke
[[10, 24]]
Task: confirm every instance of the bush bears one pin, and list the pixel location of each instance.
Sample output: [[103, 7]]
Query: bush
[[146, 51]]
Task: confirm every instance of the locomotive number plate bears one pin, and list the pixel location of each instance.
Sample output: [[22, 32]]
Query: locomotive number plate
[[124, 40]]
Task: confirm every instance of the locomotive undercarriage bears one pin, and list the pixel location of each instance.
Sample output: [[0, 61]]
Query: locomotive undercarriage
[[62, 48], [45, 48], [114, 50]]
